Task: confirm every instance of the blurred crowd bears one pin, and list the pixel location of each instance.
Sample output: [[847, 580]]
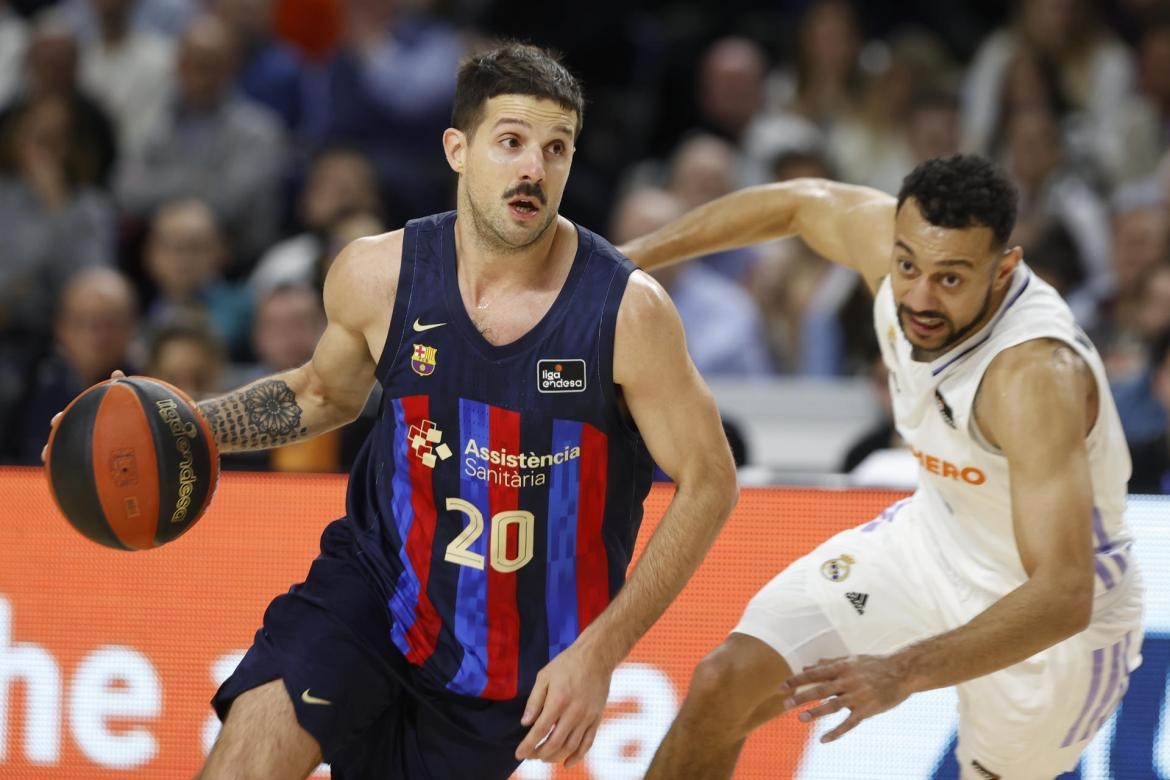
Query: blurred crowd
[[177, 175]]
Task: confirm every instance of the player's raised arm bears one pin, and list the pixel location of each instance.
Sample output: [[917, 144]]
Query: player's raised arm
[[848, 224], [678, 420], [330, 390], [1037, 403]]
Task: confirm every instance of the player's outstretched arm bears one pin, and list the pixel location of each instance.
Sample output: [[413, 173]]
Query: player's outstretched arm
[[680, 424], [846, 223], [329, 390], [1037, 403]]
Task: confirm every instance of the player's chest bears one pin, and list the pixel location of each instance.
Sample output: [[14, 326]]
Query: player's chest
[[504, 320], [557, 377]]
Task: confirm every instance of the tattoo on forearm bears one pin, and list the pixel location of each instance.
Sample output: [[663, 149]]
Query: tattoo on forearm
[[255, 418]]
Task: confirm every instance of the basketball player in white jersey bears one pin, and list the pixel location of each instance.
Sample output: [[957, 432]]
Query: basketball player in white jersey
[[1008, 572]]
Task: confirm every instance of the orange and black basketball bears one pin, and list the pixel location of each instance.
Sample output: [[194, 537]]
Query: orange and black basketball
[[132, 463]]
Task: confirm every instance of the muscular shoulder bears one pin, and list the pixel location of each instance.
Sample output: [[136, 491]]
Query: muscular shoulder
[[1041, 379], [648, 328], [362, 281], [1038, 362], [644, 302]]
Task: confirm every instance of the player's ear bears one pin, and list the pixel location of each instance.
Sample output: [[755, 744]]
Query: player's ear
[[455, 147], [1011, 258]]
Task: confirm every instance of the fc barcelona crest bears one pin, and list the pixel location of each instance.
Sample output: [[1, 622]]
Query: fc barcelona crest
[[423, 360]]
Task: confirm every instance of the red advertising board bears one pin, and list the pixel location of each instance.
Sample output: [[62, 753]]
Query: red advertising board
[[108, 659]]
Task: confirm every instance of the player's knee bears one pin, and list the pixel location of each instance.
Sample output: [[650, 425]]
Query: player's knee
[[720, 673], [262, 739]]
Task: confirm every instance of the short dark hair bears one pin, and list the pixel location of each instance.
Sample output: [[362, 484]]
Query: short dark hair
[[513, 69], [934, 100], [185, 329], [962, 191]]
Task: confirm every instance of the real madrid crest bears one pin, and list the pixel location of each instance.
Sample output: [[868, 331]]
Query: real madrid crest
[[422, 360], [837, 569]]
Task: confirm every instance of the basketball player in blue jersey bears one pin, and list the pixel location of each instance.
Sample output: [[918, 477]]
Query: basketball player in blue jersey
[[470, 609], [1008, 572]]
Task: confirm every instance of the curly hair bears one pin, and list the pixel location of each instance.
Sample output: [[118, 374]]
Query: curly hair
[[962, 191]]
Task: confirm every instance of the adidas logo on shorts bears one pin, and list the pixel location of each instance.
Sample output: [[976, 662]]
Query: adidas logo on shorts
[[858, 601]]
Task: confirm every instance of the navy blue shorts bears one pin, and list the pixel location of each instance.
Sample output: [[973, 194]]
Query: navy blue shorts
[[328, 640]]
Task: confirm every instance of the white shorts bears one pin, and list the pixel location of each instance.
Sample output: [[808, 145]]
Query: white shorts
[[871, 590]]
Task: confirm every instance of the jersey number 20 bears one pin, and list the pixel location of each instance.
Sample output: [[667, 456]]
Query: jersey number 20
[[459, 550]]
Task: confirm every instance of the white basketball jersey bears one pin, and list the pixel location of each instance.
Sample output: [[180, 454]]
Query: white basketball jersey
[[963, 501]]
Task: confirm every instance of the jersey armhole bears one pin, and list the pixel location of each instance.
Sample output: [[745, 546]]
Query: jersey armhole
[[396, 333], [606, 337]]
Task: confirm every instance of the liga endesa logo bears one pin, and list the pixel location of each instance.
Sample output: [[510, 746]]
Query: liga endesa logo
[[560, 376]]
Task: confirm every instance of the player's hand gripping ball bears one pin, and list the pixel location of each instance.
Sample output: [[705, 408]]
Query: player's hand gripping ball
[[131, 463]]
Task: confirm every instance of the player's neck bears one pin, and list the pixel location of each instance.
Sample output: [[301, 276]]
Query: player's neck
[[484, 267]]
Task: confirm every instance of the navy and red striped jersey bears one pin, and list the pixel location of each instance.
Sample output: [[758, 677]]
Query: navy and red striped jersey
[[499, 495]]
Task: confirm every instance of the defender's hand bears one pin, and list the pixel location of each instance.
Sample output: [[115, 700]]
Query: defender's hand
[[117, 374], [866, 684], [566, 706]]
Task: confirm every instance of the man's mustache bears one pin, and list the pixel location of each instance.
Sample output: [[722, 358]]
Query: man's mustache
[[529, 189], [928, 314]]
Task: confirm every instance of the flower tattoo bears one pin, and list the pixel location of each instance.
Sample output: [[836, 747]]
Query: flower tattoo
[[257, 417]]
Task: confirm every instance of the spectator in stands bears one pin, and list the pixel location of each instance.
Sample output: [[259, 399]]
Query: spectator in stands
[[798, 163], [703, 168], [53, 221], [213, 144], [51, 70], [1094, 69], [190, 357], [13, 41], [872, 145], [872, 448], [1030, 82], [731, 87], [1140, 241], [1146, 121], [1054, 258], [724, 329], [1153, 310], [932, 126], [828, 84], [185, 256], [388, 92], [271, 72], [1151, 455], [822, 88], [288, 323], [129, 70], [167, 18], [1051, 190], [341, 183], [95, 325]]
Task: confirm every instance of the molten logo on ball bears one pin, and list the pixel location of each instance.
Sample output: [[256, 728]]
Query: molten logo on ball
[[183, 433]]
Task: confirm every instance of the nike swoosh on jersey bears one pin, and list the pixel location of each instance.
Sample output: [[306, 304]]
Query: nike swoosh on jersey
[[308, 699], [419, 327]]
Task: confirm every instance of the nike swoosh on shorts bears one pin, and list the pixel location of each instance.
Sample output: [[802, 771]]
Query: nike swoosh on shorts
[[308, 699]]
